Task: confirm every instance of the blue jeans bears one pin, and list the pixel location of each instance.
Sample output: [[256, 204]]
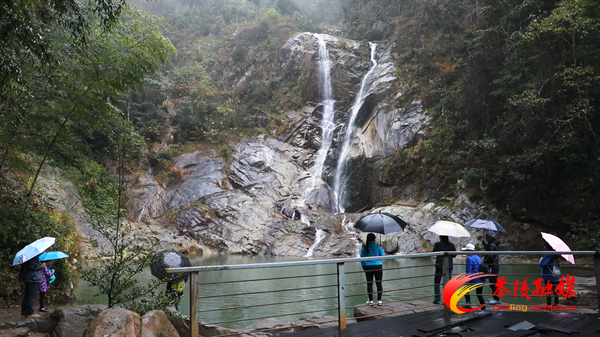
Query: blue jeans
[[437, 279]]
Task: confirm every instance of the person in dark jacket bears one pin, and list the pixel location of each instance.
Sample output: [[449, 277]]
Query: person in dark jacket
[[547, 263], [373, 268], [493, 261], [444, 245], [30, 275]]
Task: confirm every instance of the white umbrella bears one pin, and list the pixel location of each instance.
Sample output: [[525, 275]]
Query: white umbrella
[[33, 249], [449, 228]]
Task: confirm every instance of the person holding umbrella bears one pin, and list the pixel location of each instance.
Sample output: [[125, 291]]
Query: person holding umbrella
[[44, 284], [31, 276], [549, 274], [28, 258], [175, 282], [374, 268], [48, 275], [493, 261], [549, 263], [444, 245]]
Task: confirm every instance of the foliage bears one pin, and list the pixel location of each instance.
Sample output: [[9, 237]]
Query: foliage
[[272, 16], [64, 112], [24, 37], [40, 221], [510, 85], [115, 276], [584, 238]]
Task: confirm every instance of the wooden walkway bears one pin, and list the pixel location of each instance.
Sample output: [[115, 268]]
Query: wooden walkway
[[489, 324]]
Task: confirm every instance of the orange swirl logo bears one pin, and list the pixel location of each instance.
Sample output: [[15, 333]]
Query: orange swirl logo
[[456, 288]]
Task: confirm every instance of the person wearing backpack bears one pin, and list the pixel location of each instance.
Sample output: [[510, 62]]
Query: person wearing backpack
[[492, 261], [550, 273], [472, 267]]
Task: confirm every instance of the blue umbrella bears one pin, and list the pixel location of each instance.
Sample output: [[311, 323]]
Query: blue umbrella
[[53, 256], [33, 249], [485, 224]]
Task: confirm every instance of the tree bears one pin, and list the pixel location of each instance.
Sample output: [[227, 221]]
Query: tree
[[73, 102], [116, 274], [24, 35]]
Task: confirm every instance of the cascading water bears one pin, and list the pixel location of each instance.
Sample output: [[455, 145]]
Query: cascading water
[[327, 124], [327, 127], [144, 208], [338, 184], [319, 236]]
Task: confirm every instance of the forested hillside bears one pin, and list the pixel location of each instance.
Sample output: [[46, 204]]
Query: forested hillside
[[64, 69], [512, 87]]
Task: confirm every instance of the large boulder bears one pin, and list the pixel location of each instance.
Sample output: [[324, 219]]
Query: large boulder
[[119, 322], [155, 323], [72, 321], [115, 322]]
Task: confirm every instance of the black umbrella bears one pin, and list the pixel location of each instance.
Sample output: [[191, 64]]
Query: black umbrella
[[169, 259], [382, 223]]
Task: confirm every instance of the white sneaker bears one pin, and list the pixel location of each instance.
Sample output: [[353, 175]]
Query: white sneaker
[[494, 301], [370, 302], [379, 303]]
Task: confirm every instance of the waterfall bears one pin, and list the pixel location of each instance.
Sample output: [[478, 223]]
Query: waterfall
[[144, 208], [327, 124], [338, 184], [319, 236]]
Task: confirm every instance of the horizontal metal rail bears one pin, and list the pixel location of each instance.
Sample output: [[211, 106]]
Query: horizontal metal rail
[[268, 304], [361, 259], [268, 279], [268, 291], [343, 287]]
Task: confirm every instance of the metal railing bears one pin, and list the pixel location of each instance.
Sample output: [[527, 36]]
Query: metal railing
[[344, 290]]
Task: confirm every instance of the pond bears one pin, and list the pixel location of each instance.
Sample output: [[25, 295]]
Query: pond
[[404, 279]]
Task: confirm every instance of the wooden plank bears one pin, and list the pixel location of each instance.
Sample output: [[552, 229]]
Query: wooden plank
[[519, 333], [443, 324], [581, 321], [549, 327], [407, 325], [391, 326], [592, 329]]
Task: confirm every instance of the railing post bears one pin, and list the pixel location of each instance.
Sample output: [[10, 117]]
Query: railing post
[[341, 276], [194, 303], [445, 280], [597, 272]]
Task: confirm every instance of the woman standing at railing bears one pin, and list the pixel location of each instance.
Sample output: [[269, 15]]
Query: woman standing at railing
[[549, 273], [493, 261], [444, 245], [373, 268]]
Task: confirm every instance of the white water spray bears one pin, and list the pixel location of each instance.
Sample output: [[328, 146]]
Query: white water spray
[[338, 184], [319, 236], [144, 210], [327, 124]]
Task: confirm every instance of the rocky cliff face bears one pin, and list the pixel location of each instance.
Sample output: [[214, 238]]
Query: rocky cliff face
[[260, 201]]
